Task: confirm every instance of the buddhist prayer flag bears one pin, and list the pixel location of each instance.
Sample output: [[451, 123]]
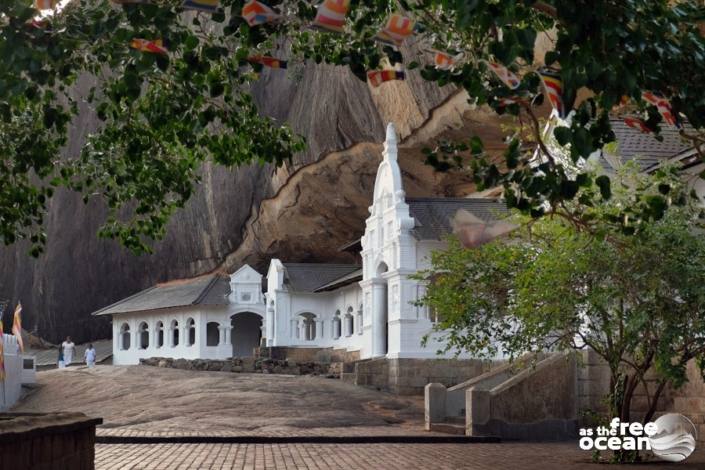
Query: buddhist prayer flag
[[17, 325], [209, 6], [638, 124], [505, 75], [267, 61], [553, 85], [144, 45], [257, 13], [444, 61], [663, 106], [397, 29], [377, 77], [473, 231], [45, 4], [504, 102], [331, 15]]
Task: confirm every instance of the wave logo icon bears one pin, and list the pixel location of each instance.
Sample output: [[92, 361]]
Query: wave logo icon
[[675, 438]]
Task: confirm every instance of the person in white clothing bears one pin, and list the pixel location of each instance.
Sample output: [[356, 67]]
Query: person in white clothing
[[68, 348], [89, 356]]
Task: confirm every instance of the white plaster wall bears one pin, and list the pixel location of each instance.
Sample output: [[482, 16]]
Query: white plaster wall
[[197, 350], [11, 388]]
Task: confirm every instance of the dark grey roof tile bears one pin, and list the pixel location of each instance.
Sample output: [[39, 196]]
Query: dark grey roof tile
[[434, 215], [211, 289], [307, 277]]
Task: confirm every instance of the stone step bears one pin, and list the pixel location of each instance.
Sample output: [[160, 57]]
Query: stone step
[[448, 428]]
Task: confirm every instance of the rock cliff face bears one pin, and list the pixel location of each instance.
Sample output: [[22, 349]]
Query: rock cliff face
[[301, 212]]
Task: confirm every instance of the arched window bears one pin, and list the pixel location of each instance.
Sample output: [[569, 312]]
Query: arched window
[[336, 325], [349, 322], [125, 337], [359, 320], [309, 326], [143, 331], [159, 334], [174, 333], [212, 333], [191, 337]]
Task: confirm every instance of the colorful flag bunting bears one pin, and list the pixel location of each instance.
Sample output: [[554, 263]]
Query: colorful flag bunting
[[445, 61], [144, 45], [377, 77], [397, 29], [208, 6], [473, 231], [504, 102], [663, 106], [45, 4], [331, 15], [553, 85], [257, 13], [267, 61], [505, 75], [17, 325], [638, 124]]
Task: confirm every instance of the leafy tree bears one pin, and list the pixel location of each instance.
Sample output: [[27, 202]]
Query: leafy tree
[[162, 116], [637, 300]]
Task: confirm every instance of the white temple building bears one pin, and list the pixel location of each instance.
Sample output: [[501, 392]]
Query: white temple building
[[368, 308]]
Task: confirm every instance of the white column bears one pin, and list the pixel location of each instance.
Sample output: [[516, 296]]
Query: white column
[[320, 327], [270, 333], [379, 317]]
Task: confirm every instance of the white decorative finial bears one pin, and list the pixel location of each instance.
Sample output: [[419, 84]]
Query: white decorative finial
[[390, 144]]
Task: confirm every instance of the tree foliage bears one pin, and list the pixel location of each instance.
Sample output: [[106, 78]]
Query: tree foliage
[[162, 116], [637, 300]]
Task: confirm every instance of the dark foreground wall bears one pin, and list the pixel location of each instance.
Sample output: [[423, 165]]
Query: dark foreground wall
[[47, 441]]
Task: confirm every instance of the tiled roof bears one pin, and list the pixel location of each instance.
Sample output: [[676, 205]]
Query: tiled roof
[[343, 281], [644, 149], [307, 277], [212, 289], [433, 215]]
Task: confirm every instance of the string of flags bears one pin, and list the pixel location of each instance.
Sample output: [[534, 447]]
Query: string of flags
[[331, 17], [397, 29], [45, 4], [267, 61], [256, 13], [154, 47], [444, 61], [377, 77], [17, 325]]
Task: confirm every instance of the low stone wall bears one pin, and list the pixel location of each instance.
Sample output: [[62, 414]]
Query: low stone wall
[[47, 441], [689, 400], [308, 354], [246, 364], [410, 376], [538, 403]]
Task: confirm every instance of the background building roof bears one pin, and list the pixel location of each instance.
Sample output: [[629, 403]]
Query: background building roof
[[211, 289], [433, 216], [644, 149], [307, 277]]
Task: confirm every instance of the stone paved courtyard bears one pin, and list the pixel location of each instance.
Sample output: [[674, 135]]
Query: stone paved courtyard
[[140, 401], [504, 456]]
